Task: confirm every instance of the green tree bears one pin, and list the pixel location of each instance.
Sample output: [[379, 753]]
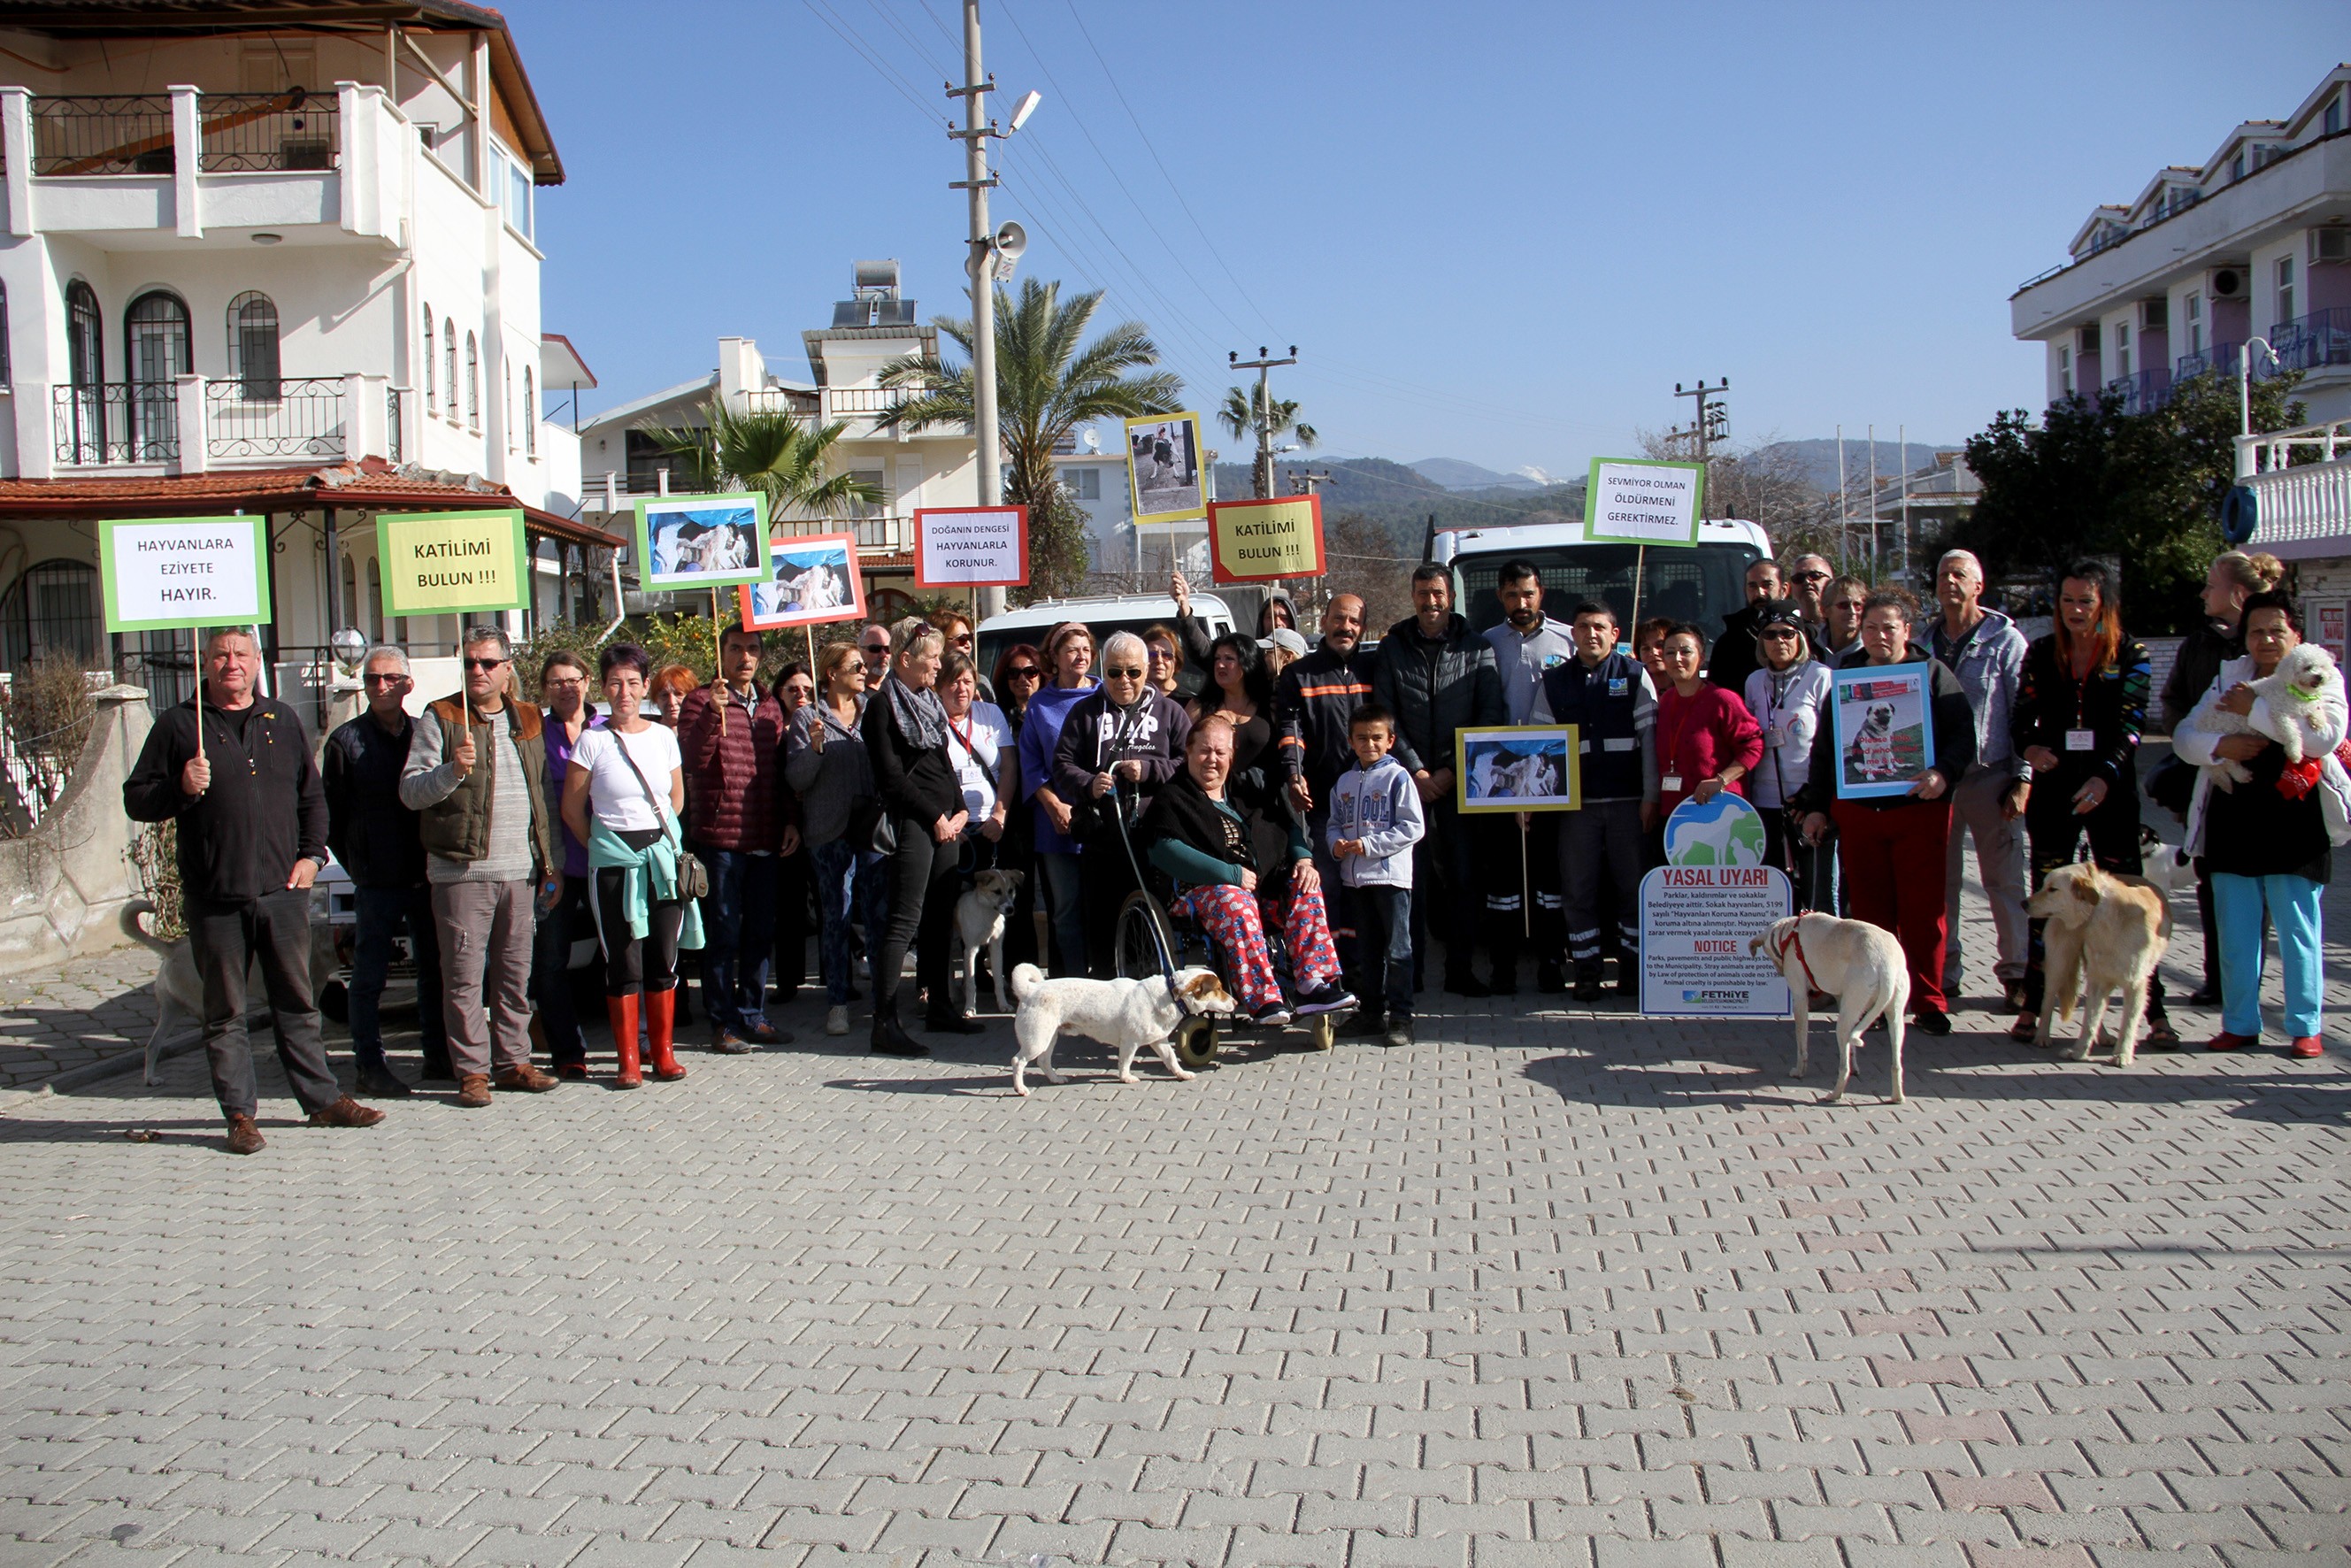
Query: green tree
[[771, 451], [1245, 415], [1048, 381], [2091, 479]]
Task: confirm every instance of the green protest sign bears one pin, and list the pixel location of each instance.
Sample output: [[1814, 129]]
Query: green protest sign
[[161, 574]]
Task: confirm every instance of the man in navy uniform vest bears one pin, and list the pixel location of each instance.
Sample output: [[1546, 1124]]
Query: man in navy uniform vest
[[1607, 694]]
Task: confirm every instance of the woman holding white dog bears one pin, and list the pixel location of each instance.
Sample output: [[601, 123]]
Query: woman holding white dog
[[2081, 706], [2265, 841], [1204, 837], [1892, 848]]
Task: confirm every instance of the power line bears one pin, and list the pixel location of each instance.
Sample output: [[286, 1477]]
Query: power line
[[912, 48], [882, 68]]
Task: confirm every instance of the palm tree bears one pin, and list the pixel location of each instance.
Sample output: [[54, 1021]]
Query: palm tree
[[1047, 385], [1244, 414], [772, 452]]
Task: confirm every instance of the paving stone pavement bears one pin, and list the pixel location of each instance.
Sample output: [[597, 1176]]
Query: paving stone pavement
[[74, 1016], [1547, 1288]]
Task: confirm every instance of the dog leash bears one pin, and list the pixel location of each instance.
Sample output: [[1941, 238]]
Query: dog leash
[[1158, 939]]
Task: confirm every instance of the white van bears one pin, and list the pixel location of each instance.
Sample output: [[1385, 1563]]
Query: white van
[[1701, 585], [1136, 612]]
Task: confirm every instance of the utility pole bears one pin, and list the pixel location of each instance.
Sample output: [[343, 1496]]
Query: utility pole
[[981, 267], [1263, 481], [1902, 434], [1710, 425], [1876, 554]]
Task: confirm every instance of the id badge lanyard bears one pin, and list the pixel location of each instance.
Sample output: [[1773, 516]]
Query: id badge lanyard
[[2081, 739]]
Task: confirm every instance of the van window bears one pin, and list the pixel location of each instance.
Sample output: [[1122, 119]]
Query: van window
[[1702, 585], [993, 643]]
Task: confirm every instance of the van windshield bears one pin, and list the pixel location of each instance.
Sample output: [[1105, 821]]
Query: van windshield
[[995, 644], [1702, 585]]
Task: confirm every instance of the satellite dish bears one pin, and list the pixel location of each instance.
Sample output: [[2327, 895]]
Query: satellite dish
[[2241, 514]]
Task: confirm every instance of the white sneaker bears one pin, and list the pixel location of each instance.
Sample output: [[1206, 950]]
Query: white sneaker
[[836, 1021]]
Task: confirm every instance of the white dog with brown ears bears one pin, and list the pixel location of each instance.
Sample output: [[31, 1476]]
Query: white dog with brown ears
[[1859, 964], [1128, 1014], [2106, 934]]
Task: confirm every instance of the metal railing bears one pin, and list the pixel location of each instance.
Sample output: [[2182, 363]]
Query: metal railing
[[75, 135], [257, 132], [291, 416], [116, 422], [2144, 393], [37, 768], [867, 401], [883, 535], [2322, 338], [2220, 357], [779, 400]]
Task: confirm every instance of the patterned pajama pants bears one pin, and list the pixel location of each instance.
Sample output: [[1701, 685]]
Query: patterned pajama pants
[[1234, 921]]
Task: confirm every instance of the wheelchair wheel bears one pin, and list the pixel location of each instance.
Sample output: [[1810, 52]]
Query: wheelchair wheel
[[1322, 1030], [1136, 953], [1196, 1041]]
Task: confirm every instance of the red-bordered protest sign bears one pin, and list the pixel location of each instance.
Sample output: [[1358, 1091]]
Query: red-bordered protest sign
[[1256, 541], [971, 546], [811, 578]]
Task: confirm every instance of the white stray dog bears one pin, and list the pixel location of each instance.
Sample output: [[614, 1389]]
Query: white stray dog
[[979, 928], [180, 991], [1859, 964], [2299, 706], [2106, 934], [1128, 1014]]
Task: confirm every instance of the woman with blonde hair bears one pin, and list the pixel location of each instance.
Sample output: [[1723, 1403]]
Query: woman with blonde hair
[[825, 764], [905, 729]]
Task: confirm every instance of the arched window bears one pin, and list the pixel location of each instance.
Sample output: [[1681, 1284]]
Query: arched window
[[51, 613], [449, 363], [473, 384], [155, 353], [375, 600], [253, 347], [432, 382], [529, 399], [85, 440]]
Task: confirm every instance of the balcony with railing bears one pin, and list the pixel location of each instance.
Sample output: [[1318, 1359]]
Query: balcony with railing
[[194, 424], [2144, 393], [882, 533], [2220, 357], [2317, 340]]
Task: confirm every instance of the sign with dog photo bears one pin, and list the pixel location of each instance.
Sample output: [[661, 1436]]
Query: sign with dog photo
[[1516, 768], [1884, 729]]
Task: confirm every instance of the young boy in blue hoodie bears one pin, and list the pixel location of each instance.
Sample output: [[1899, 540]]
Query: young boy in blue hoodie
[[1376, 819]]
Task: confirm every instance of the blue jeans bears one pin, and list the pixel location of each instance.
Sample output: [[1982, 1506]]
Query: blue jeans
[[1383, 944], [1060, 879], [2293, 903], [738, 928], [550, 973], [381, 912], [847, 878]]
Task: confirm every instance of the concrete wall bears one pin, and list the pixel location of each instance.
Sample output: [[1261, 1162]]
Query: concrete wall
[[62, 888]]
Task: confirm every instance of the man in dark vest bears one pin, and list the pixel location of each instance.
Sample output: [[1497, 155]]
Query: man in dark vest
[[1607, 694], [476, 778], [252, 840]]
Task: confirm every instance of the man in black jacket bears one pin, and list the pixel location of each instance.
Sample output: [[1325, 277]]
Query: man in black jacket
[[252, 840], [1438, 676], [1733, 657], [376, 839]]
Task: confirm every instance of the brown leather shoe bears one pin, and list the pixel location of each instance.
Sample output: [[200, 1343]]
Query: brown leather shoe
[[474, 1091], [528, 1079], [346, 1112], [244, 1137]]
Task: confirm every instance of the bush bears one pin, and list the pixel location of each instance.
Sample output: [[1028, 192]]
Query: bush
[[155, 859], [47, 710], [563, 637]]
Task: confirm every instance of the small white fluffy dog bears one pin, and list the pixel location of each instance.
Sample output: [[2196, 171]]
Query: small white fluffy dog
[[2106, 934], [180, 991], [2299, 705], [1128, 1014], [979, 929], [1859, 964]]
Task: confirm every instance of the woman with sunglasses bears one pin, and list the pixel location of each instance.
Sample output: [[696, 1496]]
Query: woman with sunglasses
[[1018, 675], [1117, 747], [1788, 693], [1168, 675], [905, 732]]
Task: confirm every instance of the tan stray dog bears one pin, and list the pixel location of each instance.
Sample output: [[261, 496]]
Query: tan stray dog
[[1128, 1014], [1859, 964], [2106, 934], [979, 929], [180, 991]]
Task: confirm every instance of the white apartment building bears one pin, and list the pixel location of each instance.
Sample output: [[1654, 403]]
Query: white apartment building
[[936, 467], [281, 257], [2254, 242]]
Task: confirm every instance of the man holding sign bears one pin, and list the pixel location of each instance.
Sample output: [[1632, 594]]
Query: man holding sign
[[233, 769]]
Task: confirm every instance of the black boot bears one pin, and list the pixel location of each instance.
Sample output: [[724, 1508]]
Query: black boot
[[890, 1035]]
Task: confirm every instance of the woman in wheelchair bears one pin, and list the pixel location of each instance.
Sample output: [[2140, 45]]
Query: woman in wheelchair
[[1204, 837]]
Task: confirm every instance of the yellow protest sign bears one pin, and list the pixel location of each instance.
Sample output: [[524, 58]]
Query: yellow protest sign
[[446, 563], [1253, 542]]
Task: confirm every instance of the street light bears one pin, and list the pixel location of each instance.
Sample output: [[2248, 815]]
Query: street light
[[350, 646]]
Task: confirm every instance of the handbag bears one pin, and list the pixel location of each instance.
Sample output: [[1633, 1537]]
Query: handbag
[[693, 876], [871, 828]]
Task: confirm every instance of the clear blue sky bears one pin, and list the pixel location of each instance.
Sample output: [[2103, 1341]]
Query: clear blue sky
[[1500, 233]]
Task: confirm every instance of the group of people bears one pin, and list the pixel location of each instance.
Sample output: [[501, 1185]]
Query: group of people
[[1255, 785]]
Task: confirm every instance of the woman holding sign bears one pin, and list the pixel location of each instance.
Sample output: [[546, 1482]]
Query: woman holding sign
[[1893, 835], [2080, 706]]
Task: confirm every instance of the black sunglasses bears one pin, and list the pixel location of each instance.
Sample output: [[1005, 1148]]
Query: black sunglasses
[[1023, 673], [1125, 675], [484, 664]]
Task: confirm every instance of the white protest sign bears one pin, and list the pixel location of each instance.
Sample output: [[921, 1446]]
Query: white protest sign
[[971, 546], [164, 574], [1636, 502]]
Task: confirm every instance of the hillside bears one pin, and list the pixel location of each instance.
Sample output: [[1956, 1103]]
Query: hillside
[[1455, 475]]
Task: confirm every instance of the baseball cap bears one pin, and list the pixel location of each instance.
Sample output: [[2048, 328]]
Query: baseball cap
[[1780, 613], [1288, 640]]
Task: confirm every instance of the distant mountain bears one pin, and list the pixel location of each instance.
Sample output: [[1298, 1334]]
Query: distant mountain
[[1453, 473], [1816, 461]]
